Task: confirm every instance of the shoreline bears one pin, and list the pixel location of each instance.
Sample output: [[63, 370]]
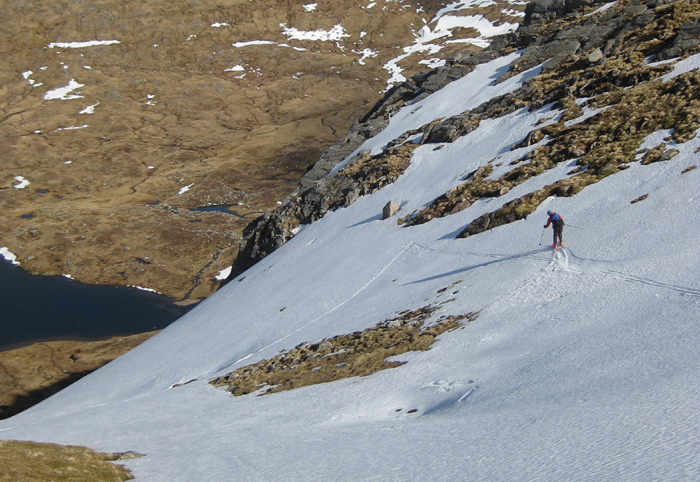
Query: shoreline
[[40, 308]]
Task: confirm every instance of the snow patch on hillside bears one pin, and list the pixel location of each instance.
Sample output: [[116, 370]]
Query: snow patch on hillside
[[443, 25], [63, 93], [184, 189], [334, 34], [22, 182], [81, 45], [9, 256], [239, 45], [89, 109]]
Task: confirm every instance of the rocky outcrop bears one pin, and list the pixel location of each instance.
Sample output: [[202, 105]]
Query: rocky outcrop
[[687, 37], [586, 54], [364, 176], [356, 354], [603, 145]]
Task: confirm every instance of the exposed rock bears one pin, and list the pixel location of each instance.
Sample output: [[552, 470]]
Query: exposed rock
[[543, 10], [356, 354], [364, 176], [442, 133], [532, 138], [576, 152], [654, 155], [389, 210], [688, 37], [595, 56], [460, 206], [130, 455], [668, 155], [600, 57]]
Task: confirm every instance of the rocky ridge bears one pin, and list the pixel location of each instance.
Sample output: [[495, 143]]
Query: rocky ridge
[[592, 57]]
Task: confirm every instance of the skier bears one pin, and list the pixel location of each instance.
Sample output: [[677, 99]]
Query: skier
[[557, 226]]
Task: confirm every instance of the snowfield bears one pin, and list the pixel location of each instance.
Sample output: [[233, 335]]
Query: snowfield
[[581, 366]]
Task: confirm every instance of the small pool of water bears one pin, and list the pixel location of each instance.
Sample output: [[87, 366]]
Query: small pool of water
[[40, 308], [220, 209]]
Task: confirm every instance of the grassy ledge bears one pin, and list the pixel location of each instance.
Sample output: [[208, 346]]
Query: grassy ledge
[[353, 355], [36, 462]]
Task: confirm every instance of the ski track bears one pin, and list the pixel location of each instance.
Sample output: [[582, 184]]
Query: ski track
[[627, 277], [312, 322]]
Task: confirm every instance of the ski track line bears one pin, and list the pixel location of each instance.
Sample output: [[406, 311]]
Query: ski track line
[[635, 279], [650, 282], [336, 307], [481, 255]]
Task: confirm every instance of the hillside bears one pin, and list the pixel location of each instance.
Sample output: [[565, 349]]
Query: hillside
[[139, 139], [507, 360]]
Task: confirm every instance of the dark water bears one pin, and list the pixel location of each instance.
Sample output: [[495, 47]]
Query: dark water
[[39, 308], [220, 209]]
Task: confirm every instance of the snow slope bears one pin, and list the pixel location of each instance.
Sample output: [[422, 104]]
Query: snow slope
[[582, 365]]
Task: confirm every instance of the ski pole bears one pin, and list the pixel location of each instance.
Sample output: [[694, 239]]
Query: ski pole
[[575, 227], [542, 237]]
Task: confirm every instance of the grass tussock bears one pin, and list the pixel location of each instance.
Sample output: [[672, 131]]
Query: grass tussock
[[354, 355], [38, 462]]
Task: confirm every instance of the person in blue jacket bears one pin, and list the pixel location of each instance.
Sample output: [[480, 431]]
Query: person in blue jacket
[[557, 225]]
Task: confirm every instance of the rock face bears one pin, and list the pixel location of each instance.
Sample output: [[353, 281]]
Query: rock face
[[587, 54], [365, 176]]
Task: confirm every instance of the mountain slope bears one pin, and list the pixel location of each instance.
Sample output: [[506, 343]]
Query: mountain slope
[[147, 135], [581, 364]]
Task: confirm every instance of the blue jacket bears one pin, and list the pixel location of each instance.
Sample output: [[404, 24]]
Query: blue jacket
[[554, 218]]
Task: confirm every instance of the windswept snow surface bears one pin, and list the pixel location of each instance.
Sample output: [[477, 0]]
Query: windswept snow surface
[[582, 364]]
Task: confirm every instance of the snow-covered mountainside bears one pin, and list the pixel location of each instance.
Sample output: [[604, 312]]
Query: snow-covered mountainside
[[581, 363]]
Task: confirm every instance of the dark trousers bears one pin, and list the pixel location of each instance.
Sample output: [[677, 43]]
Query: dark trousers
[[558, 230]]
